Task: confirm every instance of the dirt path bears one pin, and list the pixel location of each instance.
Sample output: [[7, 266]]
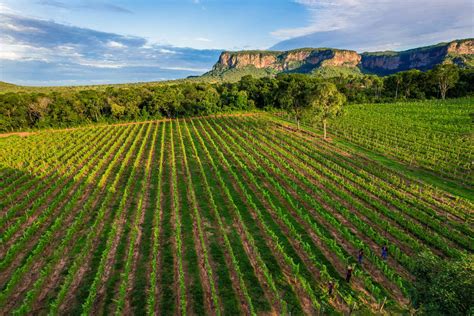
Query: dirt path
[[46, 180], [320, 186], [252, 253], [128, 218], [70, 298], [440, 212], [89, 160]]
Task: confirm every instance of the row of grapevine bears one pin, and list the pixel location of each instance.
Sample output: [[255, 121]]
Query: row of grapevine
[[177, 226], [217, 215], [101, 214], [300, 214], [315, 298], [395, 209]]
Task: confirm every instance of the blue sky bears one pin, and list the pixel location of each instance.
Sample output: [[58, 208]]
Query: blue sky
[[57, 42]]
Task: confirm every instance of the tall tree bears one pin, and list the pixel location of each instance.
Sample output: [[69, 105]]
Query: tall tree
[[326, 103], [446, 76], [294, 94]]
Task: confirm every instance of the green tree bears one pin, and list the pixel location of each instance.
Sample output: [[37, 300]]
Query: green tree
[[444, 287], [117, 110], [377, 86], [38, 109], [295, 94], [446, 76], [326, 103]]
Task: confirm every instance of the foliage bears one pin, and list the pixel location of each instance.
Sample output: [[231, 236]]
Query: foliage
[[445, 76], [54, 107], [325, 103], [435, 135], [295, 94], [221, 214], [444, 287]]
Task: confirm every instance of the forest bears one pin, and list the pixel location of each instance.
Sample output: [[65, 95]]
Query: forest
[[65, 108]]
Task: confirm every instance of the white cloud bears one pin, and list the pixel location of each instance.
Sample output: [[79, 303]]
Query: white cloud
[[57, 51], [9, 55], [202, 39], [381, 23], [114, 44], [187, 69], [5, 9], [100, 64], [327, 16], [18, 28], [166, 51], [12, 50]]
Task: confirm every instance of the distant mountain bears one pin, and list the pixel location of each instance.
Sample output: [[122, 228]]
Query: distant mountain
[[330, 62]]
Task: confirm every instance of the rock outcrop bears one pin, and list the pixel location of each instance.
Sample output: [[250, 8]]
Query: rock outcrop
[[306, 60], [423, 58]]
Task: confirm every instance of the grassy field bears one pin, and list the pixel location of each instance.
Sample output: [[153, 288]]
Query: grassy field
[[226, 215]]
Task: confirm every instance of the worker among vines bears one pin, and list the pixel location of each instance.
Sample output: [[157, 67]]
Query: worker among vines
[[330, 288], [360, 256], [384, 252], [349, 273]]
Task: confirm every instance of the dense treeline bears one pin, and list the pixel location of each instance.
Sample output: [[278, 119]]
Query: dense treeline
[[69, 108]]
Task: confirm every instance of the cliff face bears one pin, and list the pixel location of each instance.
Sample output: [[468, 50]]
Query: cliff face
[[423, 58], [288, 61], [465, 47], [259, 60], [306, 60]]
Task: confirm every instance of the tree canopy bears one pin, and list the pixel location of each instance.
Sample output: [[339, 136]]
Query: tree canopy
[[290, 92], [325, 102], [444, 287]]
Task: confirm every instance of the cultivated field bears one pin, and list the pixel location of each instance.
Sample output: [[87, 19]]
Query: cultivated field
[[225, 215], [436, 135]]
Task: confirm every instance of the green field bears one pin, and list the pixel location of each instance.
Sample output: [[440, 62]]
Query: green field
[[236, 214], [435, 135]]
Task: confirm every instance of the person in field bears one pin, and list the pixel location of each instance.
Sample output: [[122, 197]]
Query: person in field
[[349, 273], [384, 252], [330, 288], [360, 256]]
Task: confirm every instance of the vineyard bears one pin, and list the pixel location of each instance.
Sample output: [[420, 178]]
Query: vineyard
[[222, 215], [435, 135]]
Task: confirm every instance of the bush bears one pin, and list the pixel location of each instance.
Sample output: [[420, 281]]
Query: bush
[[444, 287]]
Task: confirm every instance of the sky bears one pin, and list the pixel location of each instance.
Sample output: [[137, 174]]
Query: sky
[[73, 42]]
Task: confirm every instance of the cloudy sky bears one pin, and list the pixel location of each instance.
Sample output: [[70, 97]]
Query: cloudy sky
[[68, 42]]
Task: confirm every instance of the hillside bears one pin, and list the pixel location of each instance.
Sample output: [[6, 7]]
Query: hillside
[[330, 62]]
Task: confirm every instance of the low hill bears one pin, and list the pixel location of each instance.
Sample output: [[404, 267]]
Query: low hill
[[331, 62]]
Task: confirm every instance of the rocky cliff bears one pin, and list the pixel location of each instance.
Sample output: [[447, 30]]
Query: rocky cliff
[[307, 60], [299, 60], [423, 58]]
